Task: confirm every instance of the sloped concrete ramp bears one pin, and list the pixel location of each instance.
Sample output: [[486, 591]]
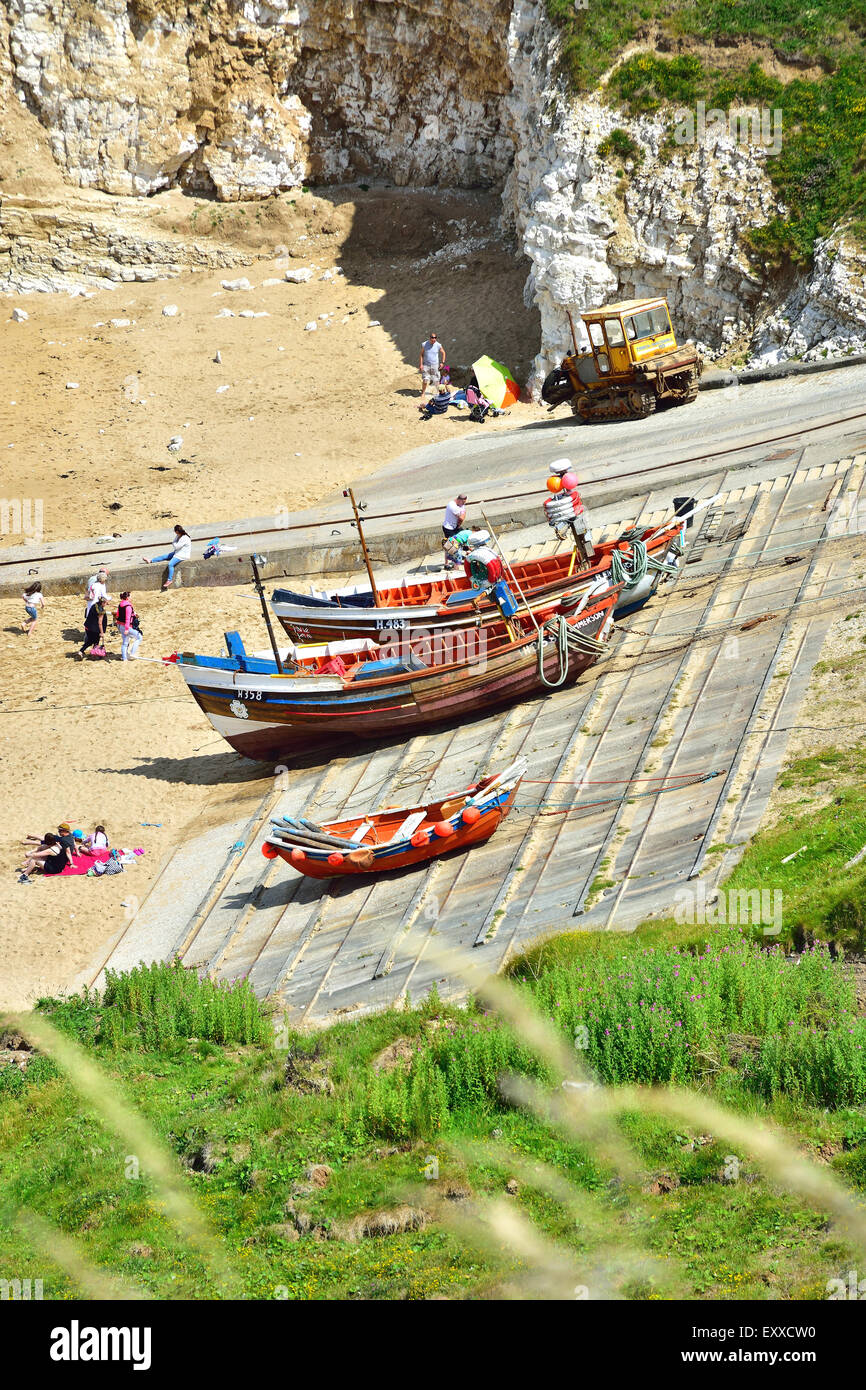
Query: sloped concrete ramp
[[670, 745]]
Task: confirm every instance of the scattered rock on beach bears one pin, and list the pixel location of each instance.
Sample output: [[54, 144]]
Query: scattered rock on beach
[[311, 326], [20, 315], [241, 284], [299, 276], [170, 311]]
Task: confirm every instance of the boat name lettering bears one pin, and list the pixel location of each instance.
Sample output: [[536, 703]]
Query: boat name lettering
[[250, 695]]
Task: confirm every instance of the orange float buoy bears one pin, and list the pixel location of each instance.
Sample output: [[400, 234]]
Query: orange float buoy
[[335, 859], [443, 828], [471, 814], [554, 483], [419, 838], [268, 850], [297, 856]]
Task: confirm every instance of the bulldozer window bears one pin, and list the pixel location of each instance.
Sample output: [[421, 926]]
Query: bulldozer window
[[648, 324], [613, 328], [596, 334]]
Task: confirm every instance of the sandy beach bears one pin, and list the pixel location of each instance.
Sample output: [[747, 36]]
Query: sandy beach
[[289, 414]]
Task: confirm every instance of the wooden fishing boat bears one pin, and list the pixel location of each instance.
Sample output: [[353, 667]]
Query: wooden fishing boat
[[363, 690], [449, 601], [396, 838]]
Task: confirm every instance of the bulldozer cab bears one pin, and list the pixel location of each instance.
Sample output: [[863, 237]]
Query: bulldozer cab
[[622, 335]]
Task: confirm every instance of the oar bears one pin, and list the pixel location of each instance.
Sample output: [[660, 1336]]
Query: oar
[[293, 837], [510, 570], [286, 825]]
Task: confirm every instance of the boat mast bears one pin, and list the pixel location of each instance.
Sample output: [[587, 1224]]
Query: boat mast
[[347, 492], [261, 593], [510, 571]]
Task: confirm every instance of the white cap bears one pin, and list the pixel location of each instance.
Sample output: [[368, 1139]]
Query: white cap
[[478, 538], [560, 466]]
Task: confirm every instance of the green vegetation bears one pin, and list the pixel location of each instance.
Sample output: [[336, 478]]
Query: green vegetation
[[820, 171], [619, 145]]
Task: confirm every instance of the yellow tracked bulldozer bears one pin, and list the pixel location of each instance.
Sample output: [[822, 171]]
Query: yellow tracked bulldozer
[[631, 365]]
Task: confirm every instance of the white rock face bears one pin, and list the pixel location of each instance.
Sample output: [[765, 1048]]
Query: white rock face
[[259, 147], [299, 277], [241, 284], [19, 315], [824, 315], [247, 98], [673, 226], [114, 104]]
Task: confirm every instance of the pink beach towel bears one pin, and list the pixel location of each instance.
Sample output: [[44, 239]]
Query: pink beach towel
[[84, 861]]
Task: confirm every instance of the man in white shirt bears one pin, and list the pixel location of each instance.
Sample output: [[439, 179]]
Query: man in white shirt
[[96, 589], [455, 515], [431, 359]]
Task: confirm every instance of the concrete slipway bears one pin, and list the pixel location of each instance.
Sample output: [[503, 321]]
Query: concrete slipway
[[705, 680]]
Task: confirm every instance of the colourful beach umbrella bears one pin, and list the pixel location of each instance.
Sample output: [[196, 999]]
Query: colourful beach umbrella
[[496, 382]]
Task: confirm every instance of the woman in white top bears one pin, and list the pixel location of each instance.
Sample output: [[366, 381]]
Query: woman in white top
[[180, 551]]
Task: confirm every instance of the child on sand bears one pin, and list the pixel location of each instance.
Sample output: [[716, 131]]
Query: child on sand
[[98, 840], [33, 601]]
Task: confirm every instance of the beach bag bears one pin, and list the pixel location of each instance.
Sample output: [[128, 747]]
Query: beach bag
[[97, 652], [136, 625]]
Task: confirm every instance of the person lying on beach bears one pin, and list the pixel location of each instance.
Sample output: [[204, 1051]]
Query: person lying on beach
[[51, 860]]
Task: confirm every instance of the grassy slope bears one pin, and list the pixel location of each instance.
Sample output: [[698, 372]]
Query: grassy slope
[[246, 1104], [820, 174]]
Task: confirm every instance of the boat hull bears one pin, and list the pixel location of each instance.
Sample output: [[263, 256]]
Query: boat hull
[[385, 858], [418, 607], [272, 717]]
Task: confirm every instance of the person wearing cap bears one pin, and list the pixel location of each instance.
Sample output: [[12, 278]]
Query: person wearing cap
[[67, 839], [96, 589], [455, 515], [431, 359]]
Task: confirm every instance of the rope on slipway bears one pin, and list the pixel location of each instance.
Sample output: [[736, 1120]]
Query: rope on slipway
[[541, 808]]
